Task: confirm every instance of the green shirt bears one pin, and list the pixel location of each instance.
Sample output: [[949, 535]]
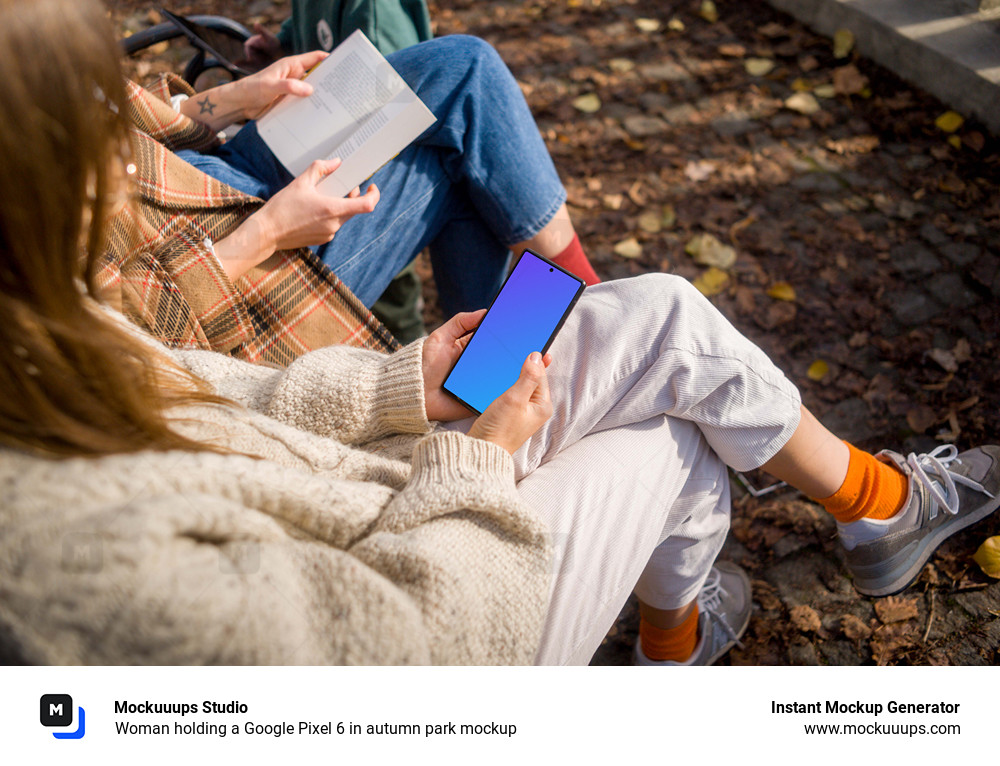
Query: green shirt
[[322, 24]]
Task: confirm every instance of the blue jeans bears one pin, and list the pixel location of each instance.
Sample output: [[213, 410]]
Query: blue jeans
[[474, 183]]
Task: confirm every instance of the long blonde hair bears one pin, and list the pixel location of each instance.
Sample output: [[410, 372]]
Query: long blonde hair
[[72, 382]]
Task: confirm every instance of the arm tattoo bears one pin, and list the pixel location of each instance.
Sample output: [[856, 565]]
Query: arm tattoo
[[207, 107]]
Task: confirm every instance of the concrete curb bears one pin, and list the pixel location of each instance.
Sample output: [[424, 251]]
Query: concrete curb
[[945, 48]]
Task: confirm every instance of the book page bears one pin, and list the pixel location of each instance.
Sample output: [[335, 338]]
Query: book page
[[361, 110]]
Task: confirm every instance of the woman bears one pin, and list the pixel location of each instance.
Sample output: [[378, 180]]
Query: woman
[[168, 506]]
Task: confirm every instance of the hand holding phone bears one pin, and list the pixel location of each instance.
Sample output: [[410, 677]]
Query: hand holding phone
[[522, 409], [525, 316]]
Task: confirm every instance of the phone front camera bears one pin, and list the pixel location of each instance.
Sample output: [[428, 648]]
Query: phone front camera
[[551, 269]]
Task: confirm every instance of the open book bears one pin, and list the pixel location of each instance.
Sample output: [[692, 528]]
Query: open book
[[360, 110]]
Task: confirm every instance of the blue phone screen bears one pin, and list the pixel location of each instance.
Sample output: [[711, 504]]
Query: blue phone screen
[[522, 319]]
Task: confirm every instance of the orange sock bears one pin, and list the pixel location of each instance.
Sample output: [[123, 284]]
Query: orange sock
[[675, 644], [572, 258], [872, 489]]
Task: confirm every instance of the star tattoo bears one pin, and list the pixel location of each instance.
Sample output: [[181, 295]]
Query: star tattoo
[[207, 107]]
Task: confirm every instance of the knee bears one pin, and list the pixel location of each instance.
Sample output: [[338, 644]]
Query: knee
[[666, 287], [478, 54]]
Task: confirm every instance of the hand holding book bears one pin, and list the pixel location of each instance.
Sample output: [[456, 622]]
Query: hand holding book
[[360, 110]]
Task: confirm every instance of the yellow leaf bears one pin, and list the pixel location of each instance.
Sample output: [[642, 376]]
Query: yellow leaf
[[843, 41], [825, 91], [949, 122], [988, 556], [647, 25], [675, 24], [801, 85], [818, 370], [758, 67], [621, 65], [629, 248], [669, 217], [803, 103], [708, 11], [707, 250], [588, 103], [782, 291], [955, 141], [650, 222], [712, 281]]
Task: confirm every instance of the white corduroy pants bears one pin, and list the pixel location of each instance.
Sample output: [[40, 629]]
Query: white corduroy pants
[[654, 393]]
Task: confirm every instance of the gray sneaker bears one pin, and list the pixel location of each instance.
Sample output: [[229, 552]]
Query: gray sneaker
[[948, 492], [724, 613]]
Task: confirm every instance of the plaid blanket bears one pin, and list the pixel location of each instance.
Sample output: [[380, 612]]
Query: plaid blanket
[[159, 271]]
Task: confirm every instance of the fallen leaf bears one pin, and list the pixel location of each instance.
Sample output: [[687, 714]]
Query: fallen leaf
[[733, 50], [707, 250], [777, 314], [954, 430], [818, 370], [773, 29], [896, 609], [808, 63], [669, 217], [613, 201], [949, 122], [712, 281], [843, 42], [628, 248], [920, 418], [801, 85], [890, 640], [643, 125], [955, 142], [621, 65], [675, 24], [825, 91], [803, 103], [764, 594], [708, 11], [647, 25], [944, 358], [651, 222], [974, 140], [848, 81], [951, 183], [962, 351], [854, 628], [699, 170], [805, 618], [782, 291], [636, 194], [587, 103], [758, 67], [988, 557]]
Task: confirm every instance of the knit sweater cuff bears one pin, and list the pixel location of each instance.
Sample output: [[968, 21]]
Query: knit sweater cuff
[[447, 456], [454, 473], [399, 392]]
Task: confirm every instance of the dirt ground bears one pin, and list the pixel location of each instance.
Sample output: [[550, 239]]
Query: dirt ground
[[836, 215]]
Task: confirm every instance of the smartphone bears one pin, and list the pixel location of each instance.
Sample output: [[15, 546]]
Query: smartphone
[[529, 310]]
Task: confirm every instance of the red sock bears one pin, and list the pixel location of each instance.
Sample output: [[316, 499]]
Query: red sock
[[675, 644], [872, 489], [574, 259]]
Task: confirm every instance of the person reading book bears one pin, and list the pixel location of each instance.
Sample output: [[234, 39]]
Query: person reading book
[[180, 506], [390, 25], [455, 190]]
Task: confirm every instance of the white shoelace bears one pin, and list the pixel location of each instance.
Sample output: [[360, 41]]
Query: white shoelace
[[936, 461], [710, 600]]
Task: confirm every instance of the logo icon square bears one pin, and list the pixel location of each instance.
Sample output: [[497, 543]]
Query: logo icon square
[[56, 710]]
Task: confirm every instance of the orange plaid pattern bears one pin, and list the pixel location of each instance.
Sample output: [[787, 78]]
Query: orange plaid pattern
[[159, 272]]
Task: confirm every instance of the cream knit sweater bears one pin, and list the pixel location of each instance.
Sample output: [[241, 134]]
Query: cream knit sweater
[[359, 537]]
